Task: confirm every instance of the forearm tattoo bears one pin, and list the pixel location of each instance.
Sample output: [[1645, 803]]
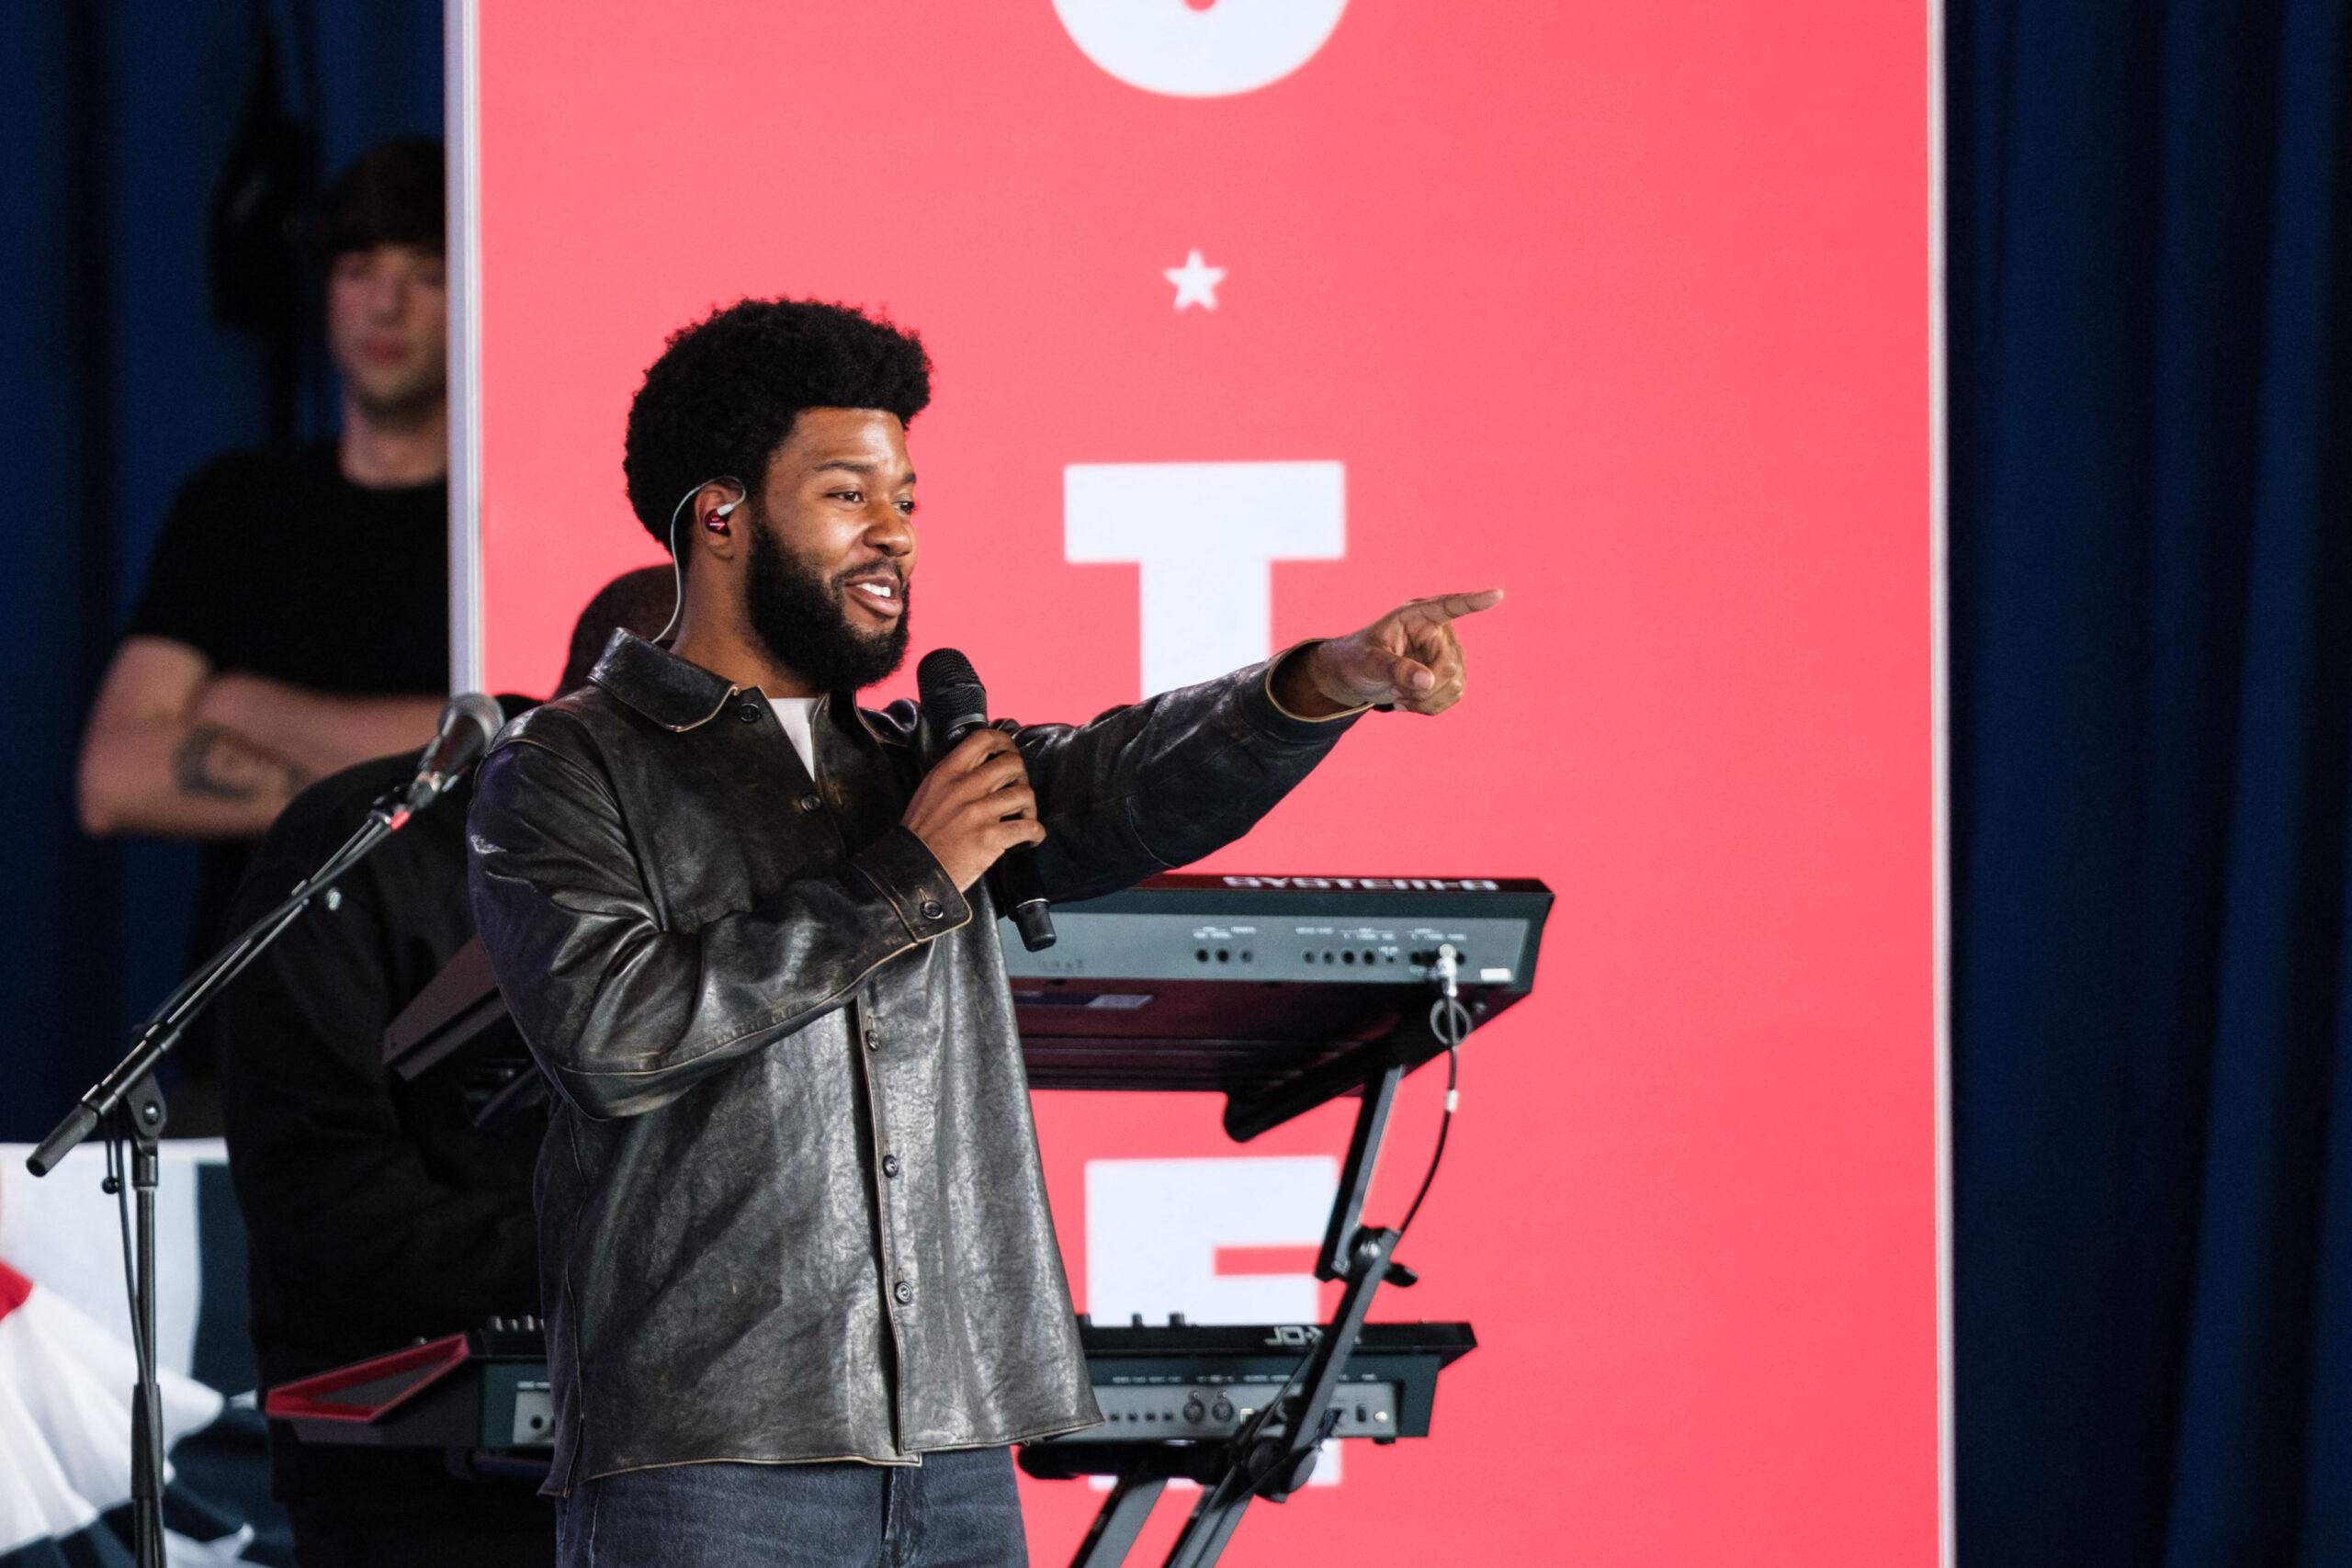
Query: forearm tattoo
[[214, 763]]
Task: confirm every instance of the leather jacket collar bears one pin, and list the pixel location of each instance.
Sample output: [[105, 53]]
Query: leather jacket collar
[[679, 694], [675, 693]]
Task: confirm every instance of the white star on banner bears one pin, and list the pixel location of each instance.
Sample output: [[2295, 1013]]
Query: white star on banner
[[1195, 282]]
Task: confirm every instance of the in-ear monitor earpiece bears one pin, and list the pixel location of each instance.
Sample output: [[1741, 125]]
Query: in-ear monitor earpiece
[[716, 522]]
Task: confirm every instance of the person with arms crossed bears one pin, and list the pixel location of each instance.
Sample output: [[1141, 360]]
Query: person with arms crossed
[[295, 615], [800, 1278]]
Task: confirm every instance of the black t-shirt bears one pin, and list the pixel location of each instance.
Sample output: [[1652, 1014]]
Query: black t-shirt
[[275, 564]]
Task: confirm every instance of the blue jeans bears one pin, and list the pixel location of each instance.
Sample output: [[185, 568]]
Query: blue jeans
[[954, 1510]]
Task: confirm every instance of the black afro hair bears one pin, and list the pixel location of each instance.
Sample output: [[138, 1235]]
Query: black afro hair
[[723, 396]]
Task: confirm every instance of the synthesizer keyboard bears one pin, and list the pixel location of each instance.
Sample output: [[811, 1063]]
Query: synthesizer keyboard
[[487, 1391], [1257, 987]]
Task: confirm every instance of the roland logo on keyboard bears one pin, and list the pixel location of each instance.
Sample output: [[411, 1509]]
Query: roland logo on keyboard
[[1374, 884]]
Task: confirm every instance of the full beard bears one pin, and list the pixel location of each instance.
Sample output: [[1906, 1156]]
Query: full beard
[[800, 620]]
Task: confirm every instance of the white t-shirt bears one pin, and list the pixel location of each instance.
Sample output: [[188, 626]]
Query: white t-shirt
[[793, 714]]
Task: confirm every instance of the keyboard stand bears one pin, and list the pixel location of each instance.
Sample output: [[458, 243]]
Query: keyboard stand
[[1273, 1455]]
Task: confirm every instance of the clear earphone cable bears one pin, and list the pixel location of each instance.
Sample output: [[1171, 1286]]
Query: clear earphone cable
[[677, 561]]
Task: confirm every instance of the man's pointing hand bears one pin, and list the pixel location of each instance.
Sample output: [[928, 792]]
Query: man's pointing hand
[[1409, 658]]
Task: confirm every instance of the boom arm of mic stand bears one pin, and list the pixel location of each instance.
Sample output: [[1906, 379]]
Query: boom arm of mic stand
[[165, 1026]]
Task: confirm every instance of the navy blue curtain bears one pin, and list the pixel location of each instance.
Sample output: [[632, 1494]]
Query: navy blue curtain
[[2150, 289], [121, 120]]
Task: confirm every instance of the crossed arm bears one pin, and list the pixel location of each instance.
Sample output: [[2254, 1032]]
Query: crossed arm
[[177, 747]]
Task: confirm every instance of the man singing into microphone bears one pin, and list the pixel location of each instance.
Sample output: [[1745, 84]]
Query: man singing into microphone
[[798, 1271]]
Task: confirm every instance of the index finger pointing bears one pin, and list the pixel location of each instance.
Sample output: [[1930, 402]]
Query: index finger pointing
[[1453, 606]]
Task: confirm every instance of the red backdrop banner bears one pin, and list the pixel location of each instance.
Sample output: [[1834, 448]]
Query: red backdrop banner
[[1252, 320]]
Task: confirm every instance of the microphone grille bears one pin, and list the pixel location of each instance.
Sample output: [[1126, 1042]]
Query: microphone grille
[[944, 667], [483, 710], [951, 692]]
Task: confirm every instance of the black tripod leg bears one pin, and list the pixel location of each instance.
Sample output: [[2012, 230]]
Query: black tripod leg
[[1119, 1522], [143, 1116]]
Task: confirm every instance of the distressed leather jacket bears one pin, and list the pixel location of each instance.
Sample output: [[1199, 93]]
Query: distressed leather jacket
[[790, 1205]]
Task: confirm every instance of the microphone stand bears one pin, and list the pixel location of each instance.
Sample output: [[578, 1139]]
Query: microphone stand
[[128, 1103]]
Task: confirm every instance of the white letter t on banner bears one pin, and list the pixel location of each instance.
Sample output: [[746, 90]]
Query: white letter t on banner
[[1206, 536]]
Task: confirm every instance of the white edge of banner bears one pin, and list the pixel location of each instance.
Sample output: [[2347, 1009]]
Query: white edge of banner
[[1940, 786], [460, 118]]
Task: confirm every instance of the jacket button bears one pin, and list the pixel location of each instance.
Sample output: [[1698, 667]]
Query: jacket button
[[748, 713], [933, 910], [811, 803], [902, 1293], [890, 1165]]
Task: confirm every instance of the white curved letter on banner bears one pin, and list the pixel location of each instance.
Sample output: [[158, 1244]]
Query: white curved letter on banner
[[1230, 46]]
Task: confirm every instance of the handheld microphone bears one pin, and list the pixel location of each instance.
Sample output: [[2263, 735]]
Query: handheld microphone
[[468, 726], [956, 705]]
